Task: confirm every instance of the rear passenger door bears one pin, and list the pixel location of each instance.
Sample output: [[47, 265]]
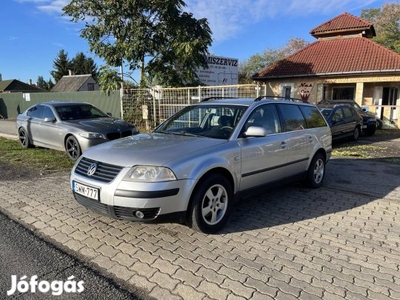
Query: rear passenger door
[[298, 140], [263, 159], [350, 119]]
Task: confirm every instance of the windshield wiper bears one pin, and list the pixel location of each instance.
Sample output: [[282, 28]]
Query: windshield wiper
[[185, 133]]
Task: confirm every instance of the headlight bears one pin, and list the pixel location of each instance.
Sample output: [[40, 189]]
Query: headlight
[[149, 174], [92, 135]]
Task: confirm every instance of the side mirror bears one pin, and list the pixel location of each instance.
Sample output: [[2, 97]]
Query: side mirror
[[255, 131], [49, 120], [109, 114]]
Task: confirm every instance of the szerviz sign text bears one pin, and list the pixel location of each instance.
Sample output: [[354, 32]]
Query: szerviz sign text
[[222, 61]]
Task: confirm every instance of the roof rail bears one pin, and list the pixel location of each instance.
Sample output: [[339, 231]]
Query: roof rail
[[280, 98], [218, 97]]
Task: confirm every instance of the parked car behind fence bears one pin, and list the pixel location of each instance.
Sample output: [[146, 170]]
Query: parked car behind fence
[[69, 126]]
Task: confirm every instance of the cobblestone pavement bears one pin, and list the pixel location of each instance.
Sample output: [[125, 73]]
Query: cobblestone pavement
[[339, 241]]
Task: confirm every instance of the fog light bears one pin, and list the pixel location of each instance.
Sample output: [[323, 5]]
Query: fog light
[[139, 214]]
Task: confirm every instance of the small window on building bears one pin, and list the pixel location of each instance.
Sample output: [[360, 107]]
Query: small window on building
[[287, 92]]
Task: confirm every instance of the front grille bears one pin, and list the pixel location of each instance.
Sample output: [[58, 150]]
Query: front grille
[[118, 212], [104, 172], [117, 135]]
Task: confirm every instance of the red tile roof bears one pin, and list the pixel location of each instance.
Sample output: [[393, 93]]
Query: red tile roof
[[344, 48], [343, 24], [350, 55]]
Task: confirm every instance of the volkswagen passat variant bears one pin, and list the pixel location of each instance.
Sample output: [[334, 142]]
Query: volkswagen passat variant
[[196, 164]]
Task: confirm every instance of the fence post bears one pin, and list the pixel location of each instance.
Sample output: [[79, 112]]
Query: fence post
[[199, 92]]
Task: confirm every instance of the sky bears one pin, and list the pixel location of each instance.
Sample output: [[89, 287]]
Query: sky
[[34, 31]]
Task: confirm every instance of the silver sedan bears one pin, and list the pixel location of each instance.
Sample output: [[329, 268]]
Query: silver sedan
[[70, 126]]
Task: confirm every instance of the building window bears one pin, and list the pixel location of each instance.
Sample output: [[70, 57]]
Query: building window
[[343, 93], [90, 86], [287, 90]]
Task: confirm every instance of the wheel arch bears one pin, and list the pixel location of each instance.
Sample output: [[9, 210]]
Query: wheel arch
[[217, 170]]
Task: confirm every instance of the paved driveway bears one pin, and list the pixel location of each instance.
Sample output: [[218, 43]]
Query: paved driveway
[[339, 241]]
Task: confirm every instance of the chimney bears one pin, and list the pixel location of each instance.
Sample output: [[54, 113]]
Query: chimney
[[70, 72], [1, 77]]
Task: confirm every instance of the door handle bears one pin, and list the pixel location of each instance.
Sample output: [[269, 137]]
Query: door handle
[[283, 145]]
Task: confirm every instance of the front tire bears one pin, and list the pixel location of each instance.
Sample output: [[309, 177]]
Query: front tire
[[23, 138], [316, 172], [211, 204], [73, 148]]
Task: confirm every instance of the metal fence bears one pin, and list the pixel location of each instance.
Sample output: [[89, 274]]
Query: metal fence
[[149, 107]]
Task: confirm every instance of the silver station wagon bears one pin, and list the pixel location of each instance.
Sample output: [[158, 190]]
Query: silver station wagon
[[196, 164]]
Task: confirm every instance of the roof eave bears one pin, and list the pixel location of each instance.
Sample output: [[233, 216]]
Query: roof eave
[[327, 74]]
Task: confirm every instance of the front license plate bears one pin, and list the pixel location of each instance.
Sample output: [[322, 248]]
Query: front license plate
[[87, 191]]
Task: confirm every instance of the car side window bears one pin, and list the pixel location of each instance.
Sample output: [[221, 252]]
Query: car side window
[[347, 112], [48, 113], [313, 117], [338, 115], [265, 116], [293, 119], [36, 111]]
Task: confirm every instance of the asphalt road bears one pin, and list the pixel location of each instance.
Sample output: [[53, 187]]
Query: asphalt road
[[24, 254], [8, 128]]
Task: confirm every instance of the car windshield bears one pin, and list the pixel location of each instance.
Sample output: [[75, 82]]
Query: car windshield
[[214, 121], [76, 112]]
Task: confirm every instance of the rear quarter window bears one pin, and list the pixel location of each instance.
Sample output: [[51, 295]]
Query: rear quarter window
[[292, 116], [313, 117]]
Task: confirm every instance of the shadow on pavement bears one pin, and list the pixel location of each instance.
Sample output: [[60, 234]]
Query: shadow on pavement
[[349, 183]]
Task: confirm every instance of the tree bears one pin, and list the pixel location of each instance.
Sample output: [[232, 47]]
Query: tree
[[109, 80], [154, 36], [61, 65], [79, 65], [84, 65], [259, 61], [43, 84], [386, 23]]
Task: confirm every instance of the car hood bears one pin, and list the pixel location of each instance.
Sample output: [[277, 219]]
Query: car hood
[[99, 124], [149, 149]]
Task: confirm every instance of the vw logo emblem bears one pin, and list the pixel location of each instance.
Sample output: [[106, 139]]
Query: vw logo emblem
[[92, 169]]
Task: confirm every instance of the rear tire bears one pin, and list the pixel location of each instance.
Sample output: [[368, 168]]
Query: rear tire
[[211, 204], [73, 148], [316, 172], [356, 134]]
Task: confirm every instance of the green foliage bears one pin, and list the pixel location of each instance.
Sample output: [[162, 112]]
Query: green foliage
[[79, 65], [84, 65], [386, 23], [43, 84], [171, 42], [258, 61], [61, 65], [109, 80]]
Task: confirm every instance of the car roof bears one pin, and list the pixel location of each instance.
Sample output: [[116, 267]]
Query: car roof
[[63, 103], [332, 105], [248, 101]]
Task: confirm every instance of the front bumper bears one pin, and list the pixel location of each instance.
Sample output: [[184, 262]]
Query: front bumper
[[135, 201]]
